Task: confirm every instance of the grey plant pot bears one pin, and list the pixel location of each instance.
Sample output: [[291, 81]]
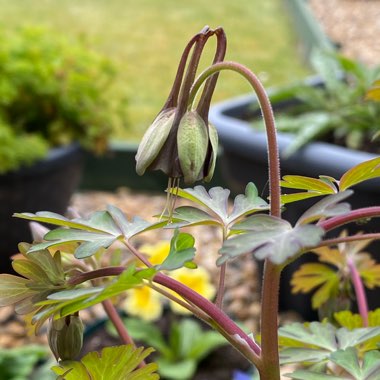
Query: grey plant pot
[[46, 185], [245, 159]]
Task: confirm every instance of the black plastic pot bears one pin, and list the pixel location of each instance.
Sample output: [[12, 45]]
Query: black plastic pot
[[47, 185], [245, 159]]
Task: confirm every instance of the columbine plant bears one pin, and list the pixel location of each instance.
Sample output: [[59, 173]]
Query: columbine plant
[[63, 274]]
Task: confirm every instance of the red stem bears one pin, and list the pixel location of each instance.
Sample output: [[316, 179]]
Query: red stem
[[359, 291], [218, 316], [114, 316], [352, 216]]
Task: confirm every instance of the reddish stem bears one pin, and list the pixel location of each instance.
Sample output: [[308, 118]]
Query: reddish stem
[[114, 316], [359, 291], [217, 315], [352, 216]]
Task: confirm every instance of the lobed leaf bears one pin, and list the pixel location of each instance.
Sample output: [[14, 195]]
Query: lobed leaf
[[113, 363], [349, 361], [360, 173], [320, 335], [308, 183], [13, 289], [215, 200], [302, 374], [181, 251], [312, 275], [191, 216], [269, 237], [248, 203], [326, 208]]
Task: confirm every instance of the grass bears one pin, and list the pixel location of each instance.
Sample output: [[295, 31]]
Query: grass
[[147, 37]]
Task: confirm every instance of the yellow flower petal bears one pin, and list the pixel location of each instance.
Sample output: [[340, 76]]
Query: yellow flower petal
[[143, 302], [197, 279], [156, 253]]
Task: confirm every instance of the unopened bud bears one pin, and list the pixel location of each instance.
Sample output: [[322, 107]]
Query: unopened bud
[[192, 142], [153, 140], [65, 337]]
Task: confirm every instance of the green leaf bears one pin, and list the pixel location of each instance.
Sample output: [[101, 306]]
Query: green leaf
[[248, 203], [312, 275], [71, 301], [314, 186], [91, 242], [133, 227], [269, 237], [13, 289], [360, 173], [301, 374], [295, 197], [191, 216], [147, 333], [127, 280], [181, 251], [347, 338], [51, 265], [320, 335], [326, 207], [99, 221], [314, 123], [349, 361], [301, 354], [113, 363], [179, 370], [31, 270], [216, 199]]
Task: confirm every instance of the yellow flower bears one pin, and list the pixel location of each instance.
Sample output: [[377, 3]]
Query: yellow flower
[[143, 302], [196, 279], [156, 253]]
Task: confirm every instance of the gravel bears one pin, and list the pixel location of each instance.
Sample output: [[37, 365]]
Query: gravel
[[354, 25]]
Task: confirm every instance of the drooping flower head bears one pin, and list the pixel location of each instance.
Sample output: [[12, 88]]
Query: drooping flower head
[[180, 141]]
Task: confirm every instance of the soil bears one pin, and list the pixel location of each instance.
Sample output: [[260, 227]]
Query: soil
[[353, 25]]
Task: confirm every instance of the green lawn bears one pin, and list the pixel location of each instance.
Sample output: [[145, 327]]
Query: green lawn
[[147, 38]]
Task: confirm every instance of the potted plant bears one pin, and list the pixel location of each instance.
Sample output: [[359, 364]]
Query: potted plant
[[325, 126], [66, 272], [56, 99]]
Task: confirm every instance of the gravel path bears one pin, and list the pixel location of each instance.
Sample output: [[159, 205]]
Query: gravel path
[[352, 24]]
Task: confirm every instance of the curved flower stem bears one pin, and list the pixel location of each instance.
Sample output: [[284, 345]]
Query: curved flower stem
[[352, 216], [359, 291], [218, 319], [266, 109], [347, 239], [221, 286], [114, 316], [271, 280]]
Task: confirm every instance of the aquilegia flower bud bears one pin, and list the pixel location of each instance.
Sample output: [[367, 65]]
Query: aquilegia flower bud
[[65, 336], [181, 142], [195, 148]]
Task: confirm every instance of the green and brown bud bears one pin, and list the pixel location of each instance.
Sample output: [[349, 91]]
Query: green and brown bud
[[65, 336], [180, 142]]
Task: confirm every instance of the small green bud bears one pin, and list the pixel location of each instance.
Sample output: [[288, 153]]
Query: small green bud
[[65, 336], [153, 140], [212, 153], [192, 142]]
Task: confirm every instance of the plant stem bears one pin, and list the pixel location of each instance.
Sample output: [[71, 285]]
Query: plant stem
[[352, 216], [271, 281], [266, 109], [359, 291], [347, 239], [221, 286], [114, 317], [240, 339]]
